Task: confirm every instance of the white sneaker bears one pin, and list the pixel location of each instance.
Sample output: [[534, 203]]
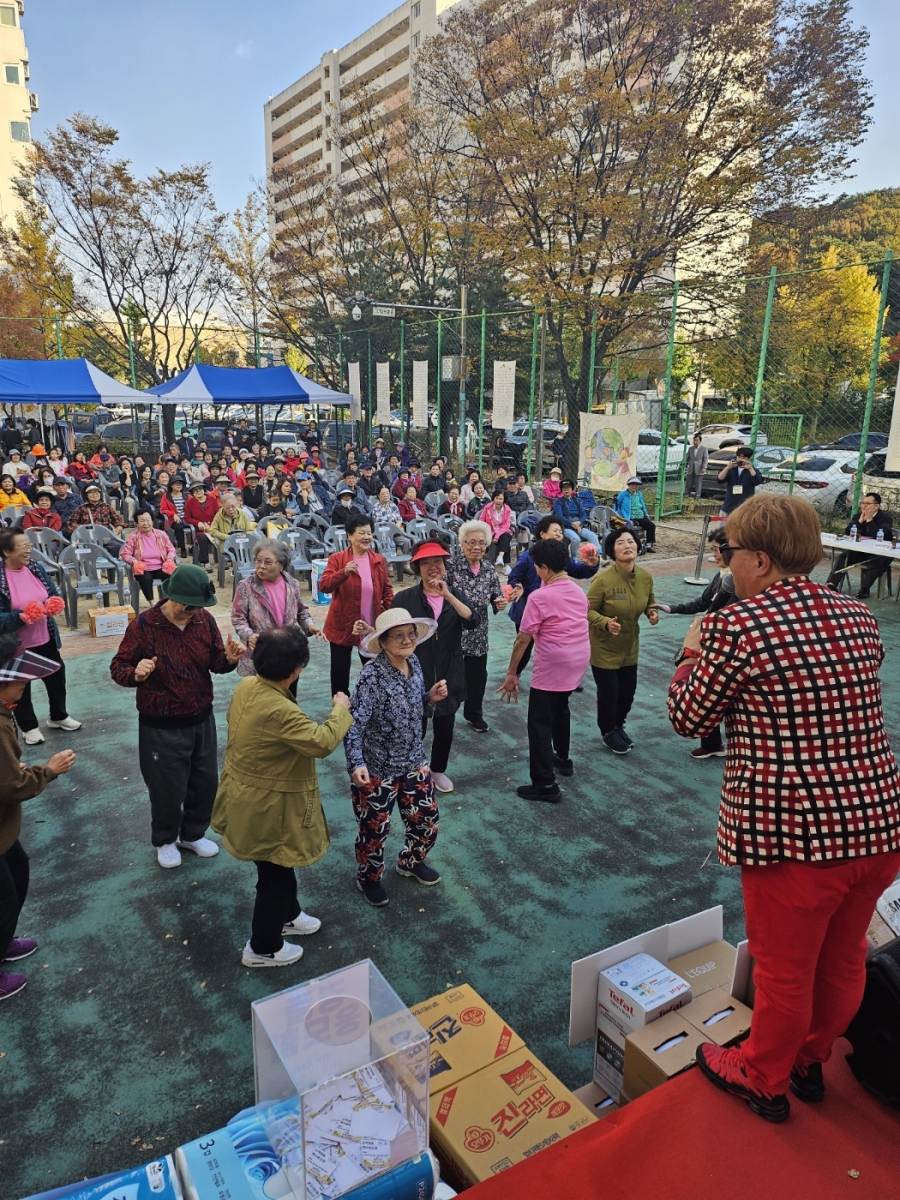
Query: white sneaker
[[442, 782], [203, 847], [66, 723], [281, 958], [301, 926], [33, 737], [168, 855]]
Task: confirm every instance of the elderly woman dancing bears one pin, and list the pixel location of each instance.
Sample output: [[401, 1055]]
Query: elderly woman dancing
[[386, 755]]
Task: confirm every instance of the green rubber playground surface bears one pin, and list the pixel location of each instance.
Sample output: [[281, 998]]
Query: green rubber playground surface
[[133, 1034]]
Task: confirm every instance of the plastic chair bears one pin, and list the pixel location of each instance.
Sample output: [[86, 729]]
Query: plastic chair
[[237, 551], [81, 565], [449, 522], [53, 569], [13, 514], [419, 529], [96, 535], [434, 500], [386, 547], [316, 523], [134, 588], [303, 548], [601, 520], [336, 539], [270, 527], [50, 542]]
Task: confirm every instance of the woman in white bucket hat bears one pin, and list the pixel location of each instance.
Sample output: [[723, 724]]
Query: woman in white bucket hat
[[386, 756]]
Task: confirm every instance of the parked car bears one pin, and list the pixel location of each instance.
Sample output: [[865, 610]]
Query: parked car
[[89, 424], [512, 445], [765, 458], [129, 432], [822, 478], [718, 437], [648, 453], [852, 441]]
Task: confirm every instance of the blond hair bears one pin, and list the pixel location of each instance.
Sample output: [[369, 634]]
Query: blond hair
[[784, 527]]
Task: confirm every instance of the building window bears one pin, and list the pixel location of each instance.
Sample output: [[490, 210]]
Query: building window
[[415, 41], [328, 97], [20, 131], [7, 14], [12, 73], [416, 11], [328, 72]]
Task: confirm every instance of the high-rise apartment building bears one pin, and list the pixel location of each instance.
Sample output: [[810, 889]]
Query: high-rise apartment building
[[299, 125], [17, 104]]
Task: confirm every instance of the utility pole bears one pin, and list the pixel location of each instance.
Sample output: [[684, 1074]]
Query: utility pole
[[540, 426]]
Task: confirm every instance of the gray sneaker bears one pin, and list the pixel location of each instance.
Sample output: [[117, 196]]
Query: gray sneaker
[[618, 743]]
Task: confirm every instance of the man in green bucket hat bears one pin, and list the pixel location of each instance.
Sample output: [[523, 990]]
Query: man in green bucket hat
[[168, 655]]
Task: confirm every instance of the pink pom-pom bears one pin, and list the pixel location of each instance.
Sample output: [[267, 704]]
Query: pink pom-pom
[[586, 550], [138, 568], [168, 567], [54, 606], [33, 611], [507, 591]]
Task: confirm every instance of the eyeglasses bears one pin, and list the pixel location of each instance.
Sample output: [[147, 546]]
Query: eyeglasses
[[401, 638], [727, 551]]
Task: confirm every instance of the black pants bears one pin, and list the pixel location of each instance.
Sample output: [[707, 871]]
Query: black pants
[[201, 548], [442, 742], [476, 682], [869, 574], [13, 890], [180, 768], [648, 527], [548, 733], [615, 695], [276, 905], [341, 659], [500, 546], [56, 691], [145, 582], [176, 533], [713, 741]]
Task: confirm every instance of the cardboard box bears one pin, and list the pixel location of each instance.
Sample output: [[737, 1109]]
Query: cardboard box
[[630, 995], [596, 1100], [501, 1115], [879, 933], [888, 907], [660, 1051], [719, 1017], [708, 967], [110, 622], [466, 1035]]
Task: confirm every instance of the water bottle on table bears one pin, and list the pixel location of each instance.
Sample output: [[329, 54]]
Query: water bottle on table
[[879, 536], [854, 533]]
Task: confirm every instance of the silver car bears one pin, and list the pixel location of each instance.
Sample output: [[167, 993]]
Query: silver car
[[823, 477]]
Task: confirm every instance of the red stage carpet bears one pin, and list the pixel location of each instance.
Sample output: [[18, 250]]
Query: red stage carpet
[[689, 1141]]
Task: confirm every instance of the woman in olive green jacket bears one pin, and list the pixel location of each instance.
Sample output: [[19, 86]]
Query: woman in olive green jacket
[[268, 808], [616, 598]]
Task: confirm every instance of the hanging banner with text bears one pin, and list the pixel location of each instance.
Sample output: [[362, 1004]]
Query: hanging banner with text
[[420, 394], [892, 458], [382, 393], [504, 395], [607, 450], [355, 389]]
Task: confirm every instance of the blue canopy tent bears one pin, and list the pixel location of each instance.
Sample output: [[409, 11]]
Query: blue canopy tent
[[203, 384], [61, 381]]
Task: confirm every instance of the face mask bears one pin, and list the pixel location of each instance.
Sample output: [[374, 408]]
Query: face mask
[[345, 500]]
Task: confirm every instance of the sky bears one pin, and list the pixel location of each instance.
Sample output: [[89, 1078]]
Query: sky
[[185, 81]]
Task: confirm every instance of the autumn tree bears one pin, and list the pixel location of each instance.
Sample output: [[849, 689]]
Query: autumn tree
[[611, 145]]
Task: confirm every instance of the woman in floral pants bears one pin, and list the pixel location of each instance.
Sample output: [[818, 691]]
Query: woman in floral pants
[[386, 756]]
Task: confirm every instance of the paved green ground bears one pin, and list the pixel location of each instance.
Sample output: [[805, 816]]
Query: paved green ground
[[134, 1032]]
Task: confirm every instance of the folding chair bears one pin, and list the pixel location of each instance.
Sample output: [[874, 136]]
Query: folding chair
[[81, 565]]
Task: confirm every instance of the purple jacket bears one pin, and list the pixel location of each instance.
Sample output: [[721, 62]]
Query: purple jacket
[[251, 613]]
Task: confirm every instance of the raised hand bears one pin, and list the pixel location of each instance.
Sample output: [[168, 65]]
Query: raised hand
[[144, 669]]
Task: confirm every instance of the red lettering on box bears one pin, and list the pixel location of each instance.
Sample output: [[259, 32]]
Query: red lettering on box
[[443, 1109], [478, 1140], [620, 1003], [503, 1044], [543, 1096], [559, 1109], [472, 1016], [509, 1120]]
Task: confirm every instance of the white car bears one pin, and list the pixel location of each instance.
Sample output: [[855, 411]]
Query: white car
[[647, 462], [823, 477], [717, 437]]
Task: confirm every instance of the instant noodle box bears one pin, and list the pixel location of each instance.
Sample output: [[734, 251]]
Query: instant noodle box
[[466, 1035], [500, 1115]]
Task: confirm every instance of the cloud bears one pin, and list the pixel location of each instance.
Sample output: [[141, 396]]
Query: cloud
[[244, 49]]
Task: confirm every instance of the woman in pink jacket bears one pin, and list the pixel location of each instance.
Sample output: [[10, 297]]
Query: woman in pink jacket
[[552, 488], [498, 515], [149, 553]]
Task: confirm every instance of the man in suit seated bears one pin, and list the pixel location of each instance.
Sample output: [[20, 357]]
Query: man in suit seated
[[870, 518]]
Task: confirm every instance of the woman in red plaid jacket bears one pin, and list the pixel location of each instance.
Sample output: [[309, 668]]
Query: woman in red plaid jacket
[[810, 805]]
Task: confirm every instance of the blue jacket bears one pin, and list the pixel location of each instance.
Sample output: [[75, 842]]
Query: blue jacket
[[10, 621], [569, 510], [524, 572], [630, 507]]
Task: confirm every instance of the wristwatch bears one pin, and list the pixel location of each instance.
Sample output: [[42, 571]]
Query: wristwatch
[[683, 653]]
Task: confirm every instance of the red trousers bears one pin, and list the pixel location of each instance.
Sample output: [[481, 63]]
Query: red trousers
[[806, 925]]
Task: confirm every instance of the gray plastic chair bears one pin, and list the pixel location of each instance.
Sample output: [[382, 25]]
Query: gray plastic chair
[[303, 548], [237, 551], [96, 535], [82, 565], [387, 548], [434, 500], [50, 542], [336, 539]]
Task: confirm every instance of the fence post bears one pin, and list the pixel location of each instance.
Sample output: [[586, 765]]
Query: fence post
[[481, 393], [59, 352], [463, 370], [873, 375], [667, 400], [615, 386], [316, 357], [534, 353], [131, 362], [440, 380], [340, 360], [369, 389], [590, 395], [763, 352], [402, 373]]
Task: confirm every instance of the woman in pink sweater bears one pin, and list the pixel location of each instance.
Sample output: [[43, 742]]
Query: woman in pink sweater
[[552, 487], [149, 553], [498, 515]]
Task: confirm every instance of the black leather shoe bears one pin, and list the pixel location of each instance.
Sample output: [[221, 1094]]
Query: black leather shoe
[[564, 766], [550, 794], [478, 724], [863, 595], [809, 1087]]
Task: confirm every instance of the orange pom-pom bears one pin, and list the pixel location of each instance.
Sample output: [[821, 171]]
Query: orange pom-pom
[[586, 550], [507, 591], [138, 568], [54, 606], [33, 611], [168, 567]]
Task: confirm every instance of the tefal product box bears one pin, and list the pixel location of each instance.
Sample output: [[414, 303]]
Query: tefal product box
[[630, 995], [466, 1035], [719, 1017], [504, 1113], [660, 1051], [707, 968]]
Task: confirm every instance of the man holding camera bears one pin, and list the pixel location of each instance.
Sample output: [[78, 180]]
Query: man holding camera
[[741, 480]]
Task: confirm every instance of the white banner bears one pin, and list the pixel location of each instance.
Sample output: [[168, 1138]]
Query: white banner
[[420, 394], [382, 393], [355, 389], [504, 395], [892, 460], [607, 450]]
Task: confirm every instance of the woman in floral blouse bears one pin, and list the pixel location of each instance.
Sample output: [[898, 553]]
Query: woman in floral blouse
[[386, 756], [478, 585]]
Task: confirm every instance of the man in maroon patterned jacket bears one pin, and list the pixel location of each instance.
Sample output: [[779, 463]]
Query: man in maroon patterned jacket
[[810, 806]]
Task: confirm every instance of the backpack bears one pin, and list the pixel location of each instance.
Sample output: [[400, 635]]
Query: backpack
[[874, 1032]]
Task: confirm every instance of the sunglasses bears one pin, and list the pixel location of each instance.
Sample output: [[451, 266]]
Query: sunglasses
[[727, 551]]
